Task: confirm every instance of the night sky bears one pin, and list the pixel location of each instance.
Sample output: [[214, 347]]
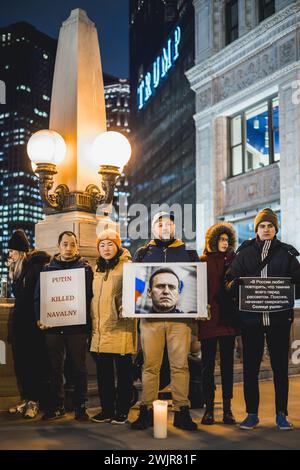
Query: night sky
[[110, 17]]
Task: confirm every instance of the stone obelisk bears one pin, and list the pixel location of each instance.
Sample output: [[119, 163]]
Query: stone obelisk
[[78, 114]]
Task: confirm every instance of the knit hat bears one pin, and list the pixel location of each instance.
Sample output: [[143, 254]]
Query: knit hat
[[109, 234], [266, 215], [160, 215], [19, 241]]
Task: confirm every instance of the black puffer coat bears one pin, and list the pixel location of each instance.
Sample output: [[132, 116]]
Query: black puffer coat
[[283, 263], [173, 251], [23, 289]]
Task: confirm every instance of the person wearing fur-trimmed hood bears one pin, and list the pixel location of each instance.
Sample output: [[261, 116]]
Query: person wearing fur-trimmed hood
[[219, 249]]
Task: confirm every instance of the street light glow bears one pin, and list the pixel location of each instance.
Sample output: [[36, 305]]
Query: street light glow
[[46, 146], [112, 149]]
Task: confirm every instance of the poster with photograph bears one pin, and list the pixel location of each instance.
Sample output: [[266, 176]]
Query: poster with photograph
[[168, 290]]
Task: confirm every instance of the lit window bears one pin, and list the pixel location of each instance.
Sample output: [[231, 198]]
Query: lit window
[[255, 137], [24, 88]]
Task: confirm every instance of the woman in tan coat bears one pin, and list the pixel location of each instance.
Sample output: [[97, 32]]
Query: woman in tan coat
[[113, 338]]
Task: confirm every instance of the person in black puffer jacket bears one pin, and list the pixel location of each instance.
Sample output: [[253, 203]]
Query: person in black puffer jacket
[[27, 340], [281, 261], [68, 339]]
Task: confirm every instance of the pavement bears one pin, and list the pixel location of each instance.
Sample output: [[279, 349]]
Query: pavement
[[18, 434]]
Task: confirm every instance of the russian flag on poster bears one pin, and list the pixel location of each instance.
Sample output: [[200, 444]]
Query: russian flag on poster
[[139, 287]]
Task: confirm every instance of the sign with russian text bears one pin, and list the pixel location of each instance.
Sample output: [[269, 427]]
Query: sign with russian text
[[270, 294], [63, 298]]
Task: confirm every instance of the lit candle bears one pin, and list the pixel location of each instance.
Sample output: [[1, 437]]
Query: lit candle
[[160, 412]]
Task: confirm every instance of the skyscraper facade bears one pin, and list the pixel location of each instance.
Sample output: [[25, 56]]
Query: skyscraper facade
[[117, 102], [27, 59], [162, 169]]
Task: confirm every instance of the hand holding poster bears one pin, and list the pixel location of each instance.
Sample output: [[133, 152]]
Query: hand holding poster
[[63, 298], [270, 294]]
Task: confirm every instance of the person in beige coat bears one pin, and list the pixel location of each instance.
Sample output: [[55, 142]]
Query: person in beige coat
[[114, 339]]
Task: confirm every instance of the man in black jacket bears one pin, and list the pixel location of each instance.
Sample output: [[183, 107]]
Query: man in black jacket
[[70, 339], [265, 256], [155, 334]]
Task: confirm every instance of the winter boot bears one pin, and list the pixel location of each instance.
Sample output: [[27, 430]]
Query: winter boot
[[183, 420], [228, 417], [208, 417], [145, 419]]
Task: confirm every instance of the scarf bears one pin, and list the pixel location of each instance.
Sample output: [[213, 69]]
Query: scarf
[[107, 265]]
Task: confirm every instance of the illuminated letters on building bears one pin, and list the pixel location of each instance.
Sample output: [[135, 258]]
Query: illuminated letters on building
[[160, 68]]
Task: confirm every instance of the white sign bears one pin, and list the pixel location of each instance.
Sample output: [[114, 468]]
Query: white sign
[[165, 290], [63, 297]]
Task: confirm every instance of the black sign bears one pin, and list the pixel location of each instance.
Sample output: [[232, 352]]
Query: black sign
[[270, 294]]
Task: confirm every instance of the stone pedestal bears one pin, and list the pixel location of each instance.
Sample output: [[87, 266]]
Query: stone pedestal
[[9, 391], [86, 227]]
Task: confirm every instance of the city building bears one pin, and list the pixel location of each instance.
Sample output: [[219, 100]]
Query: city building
[[117, 103], [26, 67], [162, 169], [247, 120]]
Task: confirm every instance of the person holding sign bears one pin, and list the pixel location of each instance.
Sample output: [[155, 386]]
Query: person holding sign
[[28, 342], [265, 256], [71, 339], [114, 339], [220, 242], [156, 334]]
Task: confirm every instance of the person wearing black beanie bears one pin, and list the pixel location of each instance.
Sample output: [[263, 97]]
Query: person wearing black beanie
[[27, 341], [19, 241]]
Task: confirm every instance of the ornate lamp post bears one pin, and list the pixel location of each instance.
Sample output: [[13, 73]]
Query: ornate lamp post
[[72, 154], [77, 148]]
